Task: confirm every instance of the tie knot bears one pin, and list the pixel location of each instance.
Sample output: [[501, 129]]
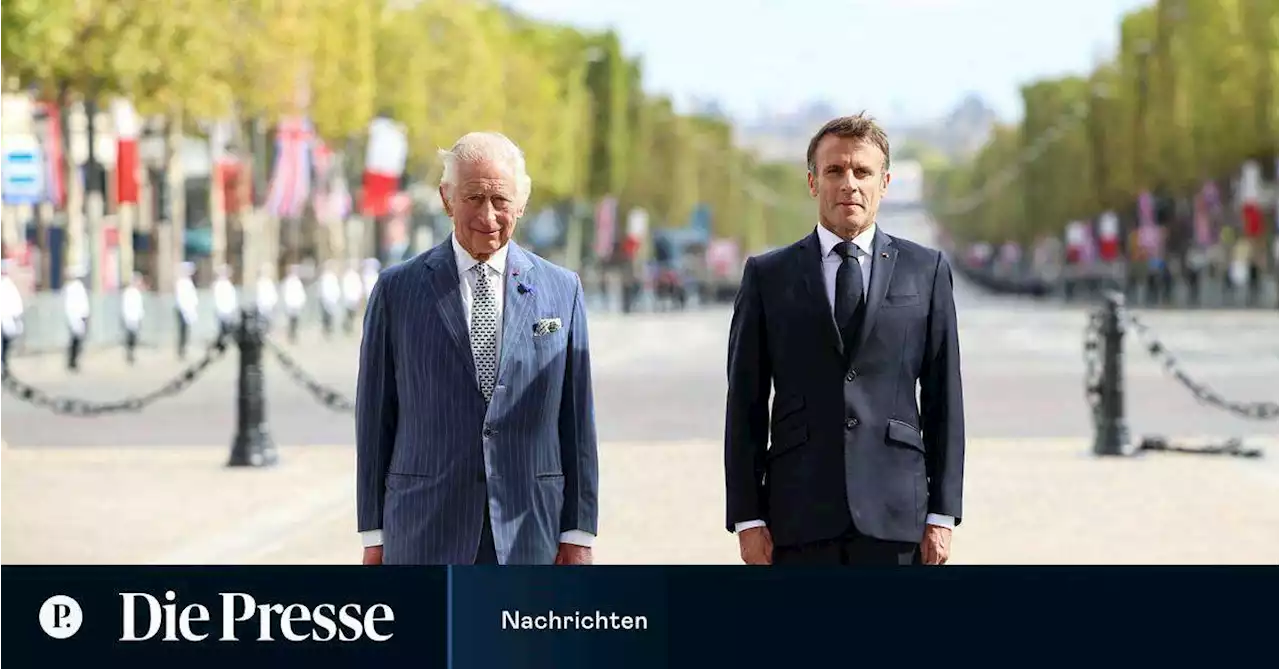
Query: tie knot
[[846, 250]]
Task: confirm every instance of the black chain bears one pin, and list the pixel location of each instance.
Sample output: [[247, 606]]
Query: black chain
[[1202, 392], [325, 395], [72, 406]]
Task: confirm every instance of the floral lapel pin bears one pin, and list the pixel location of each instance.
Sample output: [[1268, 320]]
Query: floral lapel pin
[[521, 287]]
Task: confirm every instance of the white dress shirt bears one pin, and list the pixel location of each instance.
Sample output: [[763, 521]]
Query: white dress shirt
[[496, 268], [827, 241]]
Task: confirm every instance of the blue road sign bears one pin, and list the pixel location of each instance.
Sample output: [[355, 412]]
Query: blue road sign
[[23, 169]]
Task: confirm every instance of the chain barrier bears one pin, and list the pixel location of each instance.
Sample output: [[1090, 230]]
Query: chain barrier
[[72, 406], [1203, 393], [327, 396]]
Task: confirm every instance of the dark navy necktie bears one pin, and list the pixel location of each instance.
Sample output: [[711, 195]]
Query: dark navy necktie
[[850, 304]]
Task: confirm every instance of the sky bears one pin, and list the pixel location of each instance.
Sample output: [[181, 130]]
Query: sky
[[908, 59]]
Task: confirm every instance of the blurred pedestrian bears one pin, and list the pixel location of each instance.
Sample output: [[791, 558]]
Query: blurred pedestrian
[[75, 304], [295, 299], [187, 302], [352, 296], [132, 311], [266, 296], [226, 302], [330, 298], [10, 312]]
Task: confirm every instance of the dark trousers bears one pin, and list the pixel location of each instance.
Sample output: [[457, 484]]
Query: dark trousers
[[130, 343], [852, 548], [73, 352], [4, 352], [487, 553], [184, 334], [293, 329]]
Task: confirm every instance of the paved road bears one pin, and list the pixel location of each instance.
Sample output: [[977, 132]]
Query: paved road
[[659, 383]]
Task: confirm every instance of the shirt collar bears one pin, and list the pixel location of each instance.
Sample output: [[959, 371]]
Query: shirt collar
[[827, 240], [496, 262]]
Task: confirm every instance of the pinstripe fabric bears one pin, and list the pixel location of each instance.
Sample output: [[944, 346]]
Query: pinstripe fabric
[[430, 454]]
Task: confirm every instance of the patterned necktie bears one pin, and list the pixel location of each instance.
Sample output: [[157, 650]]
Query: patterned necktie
[[484, 331]]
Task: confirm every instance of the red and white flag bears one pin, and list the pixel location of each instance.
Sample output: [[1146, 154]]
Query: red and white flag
[[383, 165], [127, 165]]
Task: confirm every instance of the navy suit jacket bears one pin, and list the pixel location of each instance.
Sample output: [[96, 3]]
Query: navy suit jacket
[[431, 454], [845, 443]]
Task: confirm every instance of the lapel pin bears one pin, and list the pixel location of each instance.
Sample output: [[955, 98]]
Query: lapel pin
[[884, 254]]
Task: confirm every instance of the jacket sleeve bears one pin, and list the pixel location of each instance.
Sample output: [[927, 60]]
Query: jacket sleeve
[[747, 405], [377, 411], [578, 457], [942, 400]]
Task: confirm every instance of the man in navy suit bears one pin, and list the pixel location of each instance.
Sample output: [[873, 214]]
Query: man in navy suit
[[475, 427], [843, 327]]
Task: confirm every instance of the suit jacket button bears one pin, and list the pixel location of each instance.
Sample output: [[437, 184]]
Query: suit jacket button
[[488, 432], [851, 375], [851, 423]]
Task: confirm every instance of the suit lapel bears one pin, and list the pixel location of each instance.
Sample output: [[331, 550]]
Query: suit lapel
[[446, 286], [517, 304], [884, 256], [810, 261]]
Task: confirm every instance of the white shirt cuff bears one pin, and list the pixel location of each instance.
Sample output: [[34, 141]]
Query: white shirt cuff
[[747, 524], [371, 538], [577, 538], [940, 520]]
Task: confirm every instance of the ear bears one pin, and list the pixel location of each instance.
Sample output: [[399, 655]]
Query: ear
[[444, 199], [813, 185], [885, 185]]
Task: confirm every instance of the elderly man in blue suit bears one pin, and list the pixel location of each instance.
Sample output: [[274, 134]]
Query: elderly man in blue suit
[[475, 427]]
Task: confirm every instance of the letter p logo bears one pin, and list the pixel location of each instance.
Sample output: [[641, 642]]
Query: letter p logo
[[60, 616]]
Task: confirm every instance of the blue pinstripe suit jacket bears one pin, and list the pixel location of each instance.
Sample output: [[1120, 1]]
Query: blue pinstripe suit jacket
[[431, 454]]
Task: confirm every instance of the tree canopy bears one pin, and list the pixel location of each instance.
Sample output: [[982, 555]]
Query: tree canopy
[[571, 99], [1190, 95]]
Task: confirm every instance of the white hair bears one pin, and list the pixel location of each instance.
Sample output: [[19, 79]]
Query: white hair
[[476, 147]]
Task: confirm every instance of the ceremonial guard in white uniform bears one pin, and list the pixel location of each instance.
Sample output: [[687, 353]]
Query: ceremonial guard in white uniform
[[226, 302], [352, 295], [265, 295], [10, 312], [295, 300], [187, 301], [75, 303], [330, 298], [132, 312]]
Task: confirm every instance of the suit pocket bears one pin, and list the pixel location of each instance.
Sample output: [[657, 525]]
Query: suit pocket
[[549, 475], [901, 299], [905, 434], [786, 440], [785, 407]]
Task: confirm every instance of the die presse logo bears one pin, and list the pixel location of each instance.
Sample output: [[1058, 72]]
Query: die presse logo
[[237, 616]]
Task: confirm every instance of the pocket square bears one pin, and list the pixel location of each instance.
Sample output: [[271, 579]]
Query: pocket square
[[546, 326]]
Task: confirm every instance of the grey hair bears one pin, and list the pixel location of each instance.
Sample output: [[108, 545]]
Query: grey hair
[[475, 147]]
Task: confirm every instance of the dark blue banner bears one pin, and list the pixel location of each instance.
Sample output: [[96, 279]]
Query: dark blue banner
[[620, 617]]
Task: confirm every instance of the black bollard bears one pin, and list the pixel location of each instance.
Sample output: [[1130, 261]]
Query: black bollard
[[1111, 433], [252, 445]]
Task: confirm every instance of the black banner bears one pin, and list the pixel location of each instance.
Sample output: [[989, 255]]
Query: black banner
[[620, 617]]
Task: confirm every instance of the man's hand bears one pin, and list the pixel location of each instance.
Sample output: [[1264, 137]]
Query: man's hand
[[573, 554], [936, 546], [755, 544], [372, 555]]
